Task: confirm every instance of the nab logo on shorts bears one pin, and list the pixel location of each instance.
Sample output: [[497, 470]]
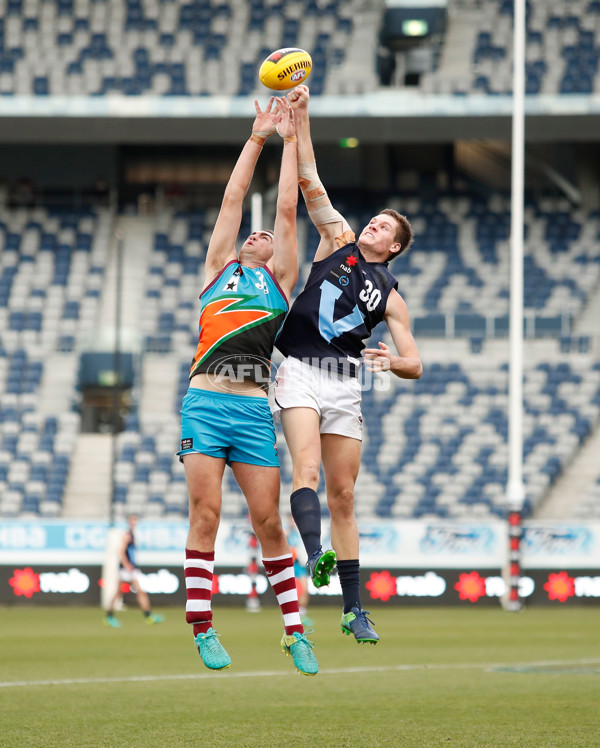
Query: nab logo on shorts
[[187, 443]]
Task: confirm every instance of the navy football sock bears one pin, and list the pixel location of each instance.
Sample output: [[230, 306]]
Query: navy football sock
[[306, 511], [349, 574]]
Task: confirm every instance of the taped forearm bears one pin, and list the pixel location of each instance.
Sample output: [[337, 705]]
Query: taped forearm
[[313, 190], [310, 184]]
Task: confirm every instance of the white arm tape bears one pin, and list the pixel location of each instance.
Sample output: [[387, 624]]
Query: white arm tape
[[328, 214], [313, 189], [310, 184]]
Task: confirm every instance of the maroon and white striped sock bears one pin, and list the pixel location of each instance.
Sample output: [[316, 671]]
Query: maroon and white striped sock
[[198, 570], [280, 573]]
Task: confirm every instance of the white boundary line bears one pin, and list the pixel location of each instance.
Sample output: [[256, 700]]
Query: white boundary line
[[275, 673]]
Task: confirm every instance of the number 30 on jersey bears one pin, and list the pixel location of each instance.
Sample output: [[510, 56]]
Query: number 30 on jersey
[[371, 296]]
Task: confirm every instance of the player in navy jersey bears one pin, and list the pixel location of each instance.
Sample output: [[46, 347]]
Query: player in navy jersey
[[226, 418], [317, 394], [131, 575]]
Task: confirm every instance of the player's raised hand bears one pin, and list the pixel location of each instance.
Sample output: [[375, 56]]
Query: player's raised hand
[[287, 125], [298, 97], [266, 121], [378, 359]]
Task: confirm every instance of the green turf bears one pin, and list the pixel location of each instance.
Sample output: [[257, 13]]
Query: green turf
[[439, 677]]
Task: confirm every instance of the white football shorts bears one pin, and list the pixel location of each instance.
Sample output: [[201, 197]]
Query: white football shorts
[[130, 576], [335, 397]]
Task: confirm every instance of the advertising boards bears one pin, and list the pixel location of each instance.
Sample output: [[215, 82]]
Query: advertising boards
[[413, 562]]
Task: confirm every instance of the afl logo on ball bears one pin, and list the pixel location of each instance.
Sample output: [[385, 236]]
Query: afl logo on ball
[[297, 76]]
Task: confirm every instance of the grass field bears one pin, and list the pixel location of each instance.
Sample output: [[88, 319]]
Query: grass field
[[439, 677]]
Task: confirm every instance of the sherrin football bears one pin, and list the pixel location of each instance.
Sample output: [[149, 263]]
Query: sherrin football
[[285, 68]]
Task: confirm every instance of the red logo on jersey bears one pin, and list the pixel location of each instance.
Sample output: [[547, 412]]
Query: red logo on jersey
[[351, 260]]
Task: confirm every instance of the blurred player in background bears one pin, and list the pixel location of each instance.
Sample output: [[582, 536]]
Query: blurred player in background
[[317, 393], [130, 574], [226, 418]]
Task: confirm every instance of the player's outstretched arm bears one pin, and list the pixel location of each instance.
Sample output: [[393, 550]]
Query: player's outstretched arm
[[406, 362], [221, 248], [331, 225], [284, 263]]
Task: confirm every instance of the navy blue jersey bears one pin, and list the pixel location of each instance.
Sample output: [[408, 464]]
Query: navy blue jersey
[[130, 550], [343, 300]]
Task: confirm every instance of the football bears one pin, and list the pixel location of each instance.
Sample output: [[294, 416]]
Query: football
[[285, 68]]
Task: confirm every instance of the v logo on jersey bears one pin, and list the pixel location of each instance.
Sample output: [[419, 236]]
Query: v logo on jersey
[[224, 317], [329, 328]]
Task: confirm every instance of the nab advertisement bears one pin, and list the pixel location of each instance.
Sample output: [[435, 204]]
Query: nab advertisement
[[43, 585], [402, 563]]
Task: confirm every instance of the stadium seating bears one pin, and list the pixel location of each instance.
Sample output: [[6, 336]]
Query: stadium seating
[[35, 451], [589, 507], [175, 279], [562, 50], [52, 264], [179, 47], [51, 271], [436, 447]]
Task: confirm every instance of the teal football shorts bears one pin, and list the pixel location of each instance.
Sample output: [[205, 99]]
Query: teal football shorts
[[238, 428]]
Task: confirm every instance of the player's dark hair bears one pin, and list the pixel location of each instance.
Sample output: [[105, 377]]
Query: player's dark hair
[[404, 233]]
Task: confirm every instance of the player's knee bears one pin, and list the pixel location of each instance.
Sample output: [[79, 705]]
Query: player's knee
[[341, 502], [203, 517], [307, 474], [268, 527]]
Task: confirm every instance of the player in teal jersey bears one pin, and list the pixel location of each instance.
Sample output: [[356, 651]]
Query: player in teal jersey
[[225, 414]]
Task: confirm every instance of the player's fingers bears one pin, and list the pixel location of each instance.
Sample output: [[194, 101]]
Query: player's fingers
[[258, 110], [283, 105], [270, 104], [383, 346]]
